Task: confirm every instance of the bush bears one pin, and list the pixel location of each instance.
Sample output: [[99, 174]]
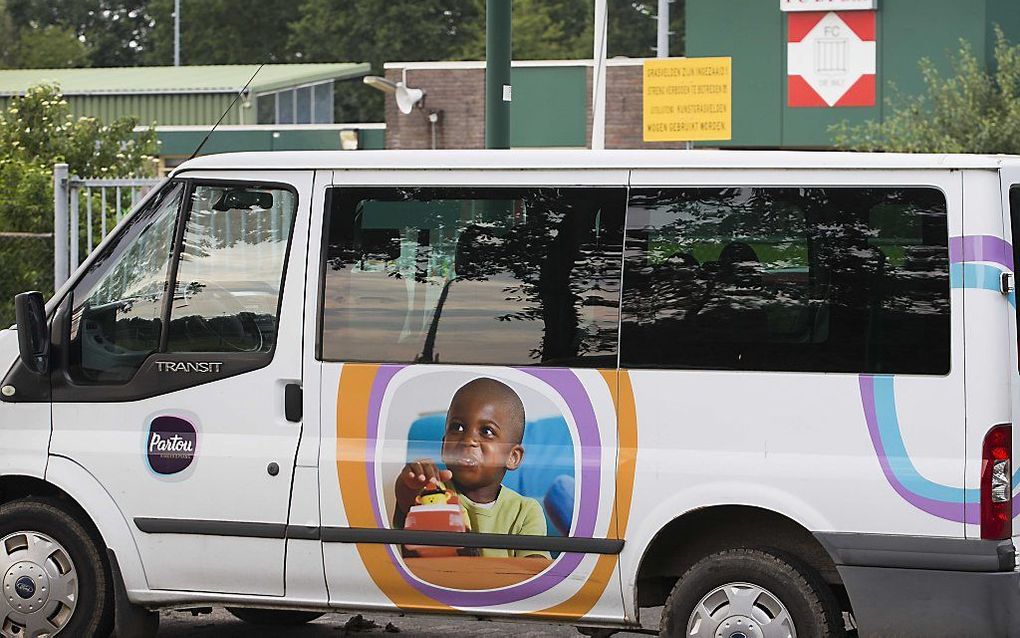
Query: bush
[[37, 131], [974, 111]]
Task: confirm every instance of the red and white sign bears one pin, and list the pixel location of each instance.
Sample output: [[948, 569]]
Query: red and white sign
[[831, 59], [828, 5]]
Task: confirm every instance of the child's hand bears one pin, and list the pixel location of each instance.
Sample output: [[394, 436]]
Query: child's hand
[[418, 474]]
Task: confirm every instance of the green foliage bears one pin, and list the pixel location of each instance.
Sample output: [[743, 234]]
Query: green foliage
[[632, 28], [973, 111], [563, 30], [379, 31], [50, 47], [542, 30], [38, 129], [114, 32], [221, 32], [8, 35], [26, 197]]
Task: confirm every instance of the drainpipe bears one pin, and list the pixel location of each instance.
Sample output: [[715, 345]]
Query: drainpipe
[[497, 73]]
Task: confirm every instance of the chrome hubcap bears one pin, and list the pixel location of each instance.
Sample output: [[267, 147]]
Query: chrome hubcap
[[740, 610], [40, 586]]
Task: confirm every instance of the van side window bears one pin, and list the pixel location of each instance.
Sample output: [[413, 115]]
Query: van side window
[[117, 316], [787, 279], [230, 273], [502, 276]]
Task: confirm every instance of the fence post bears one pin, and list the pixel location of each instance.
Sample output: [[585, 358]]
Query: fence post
[[61, 222]]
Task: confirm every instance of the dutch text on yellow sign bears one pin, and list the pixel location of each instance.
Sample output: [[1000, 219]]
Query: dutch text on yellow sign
[[688, 99]]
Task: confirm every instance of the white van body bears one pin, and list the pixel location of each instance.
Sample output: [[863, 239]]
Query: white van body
[[831, 409]]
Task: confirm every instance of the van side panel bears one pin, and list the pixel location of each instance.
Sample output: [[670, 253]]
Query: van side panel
[[25, 434], [978, 258], [859, 453], [108, 518]]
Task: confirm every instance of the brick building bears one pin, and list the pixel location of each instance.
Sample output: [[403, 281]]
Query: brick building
[[551, 105], [785, 65]]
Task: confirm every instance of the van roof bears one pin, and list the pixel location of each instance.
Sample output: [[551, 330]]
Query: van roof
[[553, 159]]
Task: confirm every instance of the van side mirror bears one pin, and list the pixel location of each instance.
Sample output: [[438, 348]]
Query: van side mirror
[[33, 333]]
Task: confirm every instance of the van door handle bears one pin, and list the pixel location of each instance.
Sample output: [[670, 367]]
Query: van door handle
[[292, 400]]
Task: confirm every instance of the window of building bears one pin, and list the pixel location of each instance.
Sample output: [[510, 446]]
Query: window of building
[[311, 104], [787, 279], [285, 107], [322, 105], [502, 276], [266, 106]]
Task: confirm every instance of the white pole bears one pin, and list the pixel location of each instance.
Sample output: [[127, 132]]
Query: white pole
[[60, 225], [598, 100], [662, 36], [177, 32]]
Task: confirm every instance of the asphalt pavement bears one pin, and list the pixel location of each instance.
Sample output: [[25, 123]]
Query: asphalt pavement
[[178, 624]]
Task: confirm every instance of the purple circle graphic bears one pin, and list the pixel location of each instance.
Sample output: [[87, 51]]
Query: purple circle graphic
[[573, 393], [170, 446]]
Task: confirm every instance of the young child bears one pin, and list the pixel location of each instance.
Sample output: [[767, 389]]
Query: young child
[[482, 440]]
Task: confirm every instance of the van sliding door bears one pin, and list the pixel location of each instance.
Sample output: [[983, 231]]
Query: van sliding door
[[468, 338]]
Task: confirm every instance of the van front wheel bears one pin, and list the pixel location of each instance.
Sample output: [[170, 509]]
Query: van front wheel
[[54, 581], [750, 593]]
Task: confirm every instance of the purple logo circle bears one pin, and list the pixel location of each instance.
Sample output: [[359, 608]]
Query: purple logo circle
[[171, 444]]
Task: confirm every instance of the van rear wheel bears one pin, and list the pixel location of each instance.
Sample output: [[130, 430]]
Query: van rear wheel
[[273, 617], [750, 593], [54, 581]]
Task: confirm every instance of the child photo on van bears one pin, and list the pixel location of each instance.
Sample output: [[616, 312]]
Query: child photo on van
[[482, 441]]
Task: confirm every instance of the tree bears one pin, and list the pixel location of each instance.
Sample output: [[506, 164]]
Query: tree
[[50, 47], [974, 111], [379, 31], [36, 131], [221, 32], [563, 29], [633, 24], [542, 30], [8, 34], [113, 31]]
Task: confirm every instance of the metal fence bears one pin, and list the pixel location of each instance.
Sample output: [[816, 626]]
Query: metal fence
[[84, 211]]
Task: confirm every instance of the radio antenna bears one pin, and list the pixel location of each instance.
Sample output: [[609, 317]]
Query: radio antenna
[[232, 103]]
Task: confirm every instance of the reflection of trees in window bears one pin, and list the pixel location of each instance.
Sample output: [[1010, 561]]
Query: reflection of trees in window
[[523, 276], [117, 319], [229, 277], [844, 279]]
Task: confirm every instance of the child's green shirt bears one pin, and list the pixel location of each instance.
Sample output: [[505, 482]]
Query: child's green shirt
[[510, 513]]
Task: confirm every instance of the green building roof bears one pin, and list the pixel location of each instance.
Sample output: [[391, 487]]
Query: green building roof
[[176, 80]]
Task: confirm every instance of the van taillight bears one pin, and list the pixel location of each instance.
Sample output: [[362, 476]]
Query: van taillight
[[996, 484]]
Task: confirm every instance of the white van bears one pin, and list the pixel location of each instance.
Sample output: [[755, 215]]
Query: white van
[[769, 391]]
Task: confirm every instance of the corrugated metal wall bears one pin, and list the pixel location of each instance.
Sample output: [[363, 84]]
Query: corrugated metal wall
[[165, 110]]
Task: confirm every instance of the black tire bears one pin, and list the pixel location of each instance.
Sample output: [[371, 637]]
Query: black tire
[[808, 600], [274, 617], [94, 609]]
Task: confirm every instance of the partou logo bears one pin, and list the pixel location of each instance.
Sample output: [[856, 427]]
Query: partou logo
[[171, 444]]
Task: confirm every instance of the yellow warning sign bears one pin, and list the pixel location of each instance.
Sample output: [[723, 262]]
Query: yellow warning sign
[[688, 99]]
